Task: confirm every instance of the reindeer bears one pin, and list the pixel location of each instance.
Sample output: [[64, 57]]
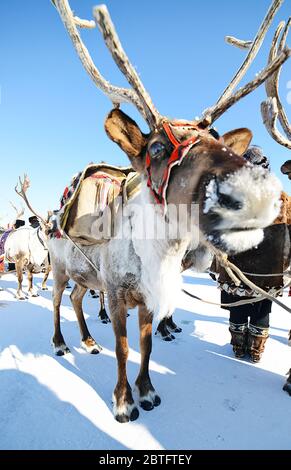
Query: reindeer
[[26, 247], [180, 163]]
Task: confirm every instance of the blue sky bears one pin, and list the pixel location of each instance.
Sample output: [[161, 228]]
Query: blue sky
[[52, 115]]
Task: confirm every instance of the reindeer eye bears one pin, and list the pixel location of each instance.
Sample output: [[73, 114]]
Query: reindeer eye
[[156, 149], [214, 133]]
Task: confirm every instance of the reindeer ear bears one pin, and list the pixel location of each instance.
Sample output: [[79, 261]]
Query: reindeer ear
[[125, 132], [286, 169], [238, 140]]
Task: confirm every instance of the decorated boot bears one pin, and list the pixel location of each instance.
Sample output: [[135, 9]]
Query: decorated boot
[[239, 337], [257, 338]]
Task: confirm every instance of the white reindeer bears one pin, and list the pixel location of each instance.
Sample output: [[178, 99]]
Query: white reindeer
[[27, 248]]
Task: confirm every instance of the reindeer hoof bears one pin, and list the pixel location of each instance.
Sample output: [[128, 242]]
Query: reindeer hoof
[[95, 351], [134, 414], [91, 346], [146, 405], [123, 418], [170, 337], [157, 400], [34, 295], [21, 297], [61, 350], [44, 288], [287, 388], [177, 329], [149, 401], [165, 335]]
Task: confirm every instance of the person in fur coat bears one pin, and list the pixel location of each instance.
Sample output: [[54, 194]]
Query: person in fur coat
[[249, 323]]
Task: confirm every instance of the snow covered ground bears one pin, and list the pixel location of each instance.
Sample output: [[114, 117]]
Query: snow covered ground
[[210, 400]]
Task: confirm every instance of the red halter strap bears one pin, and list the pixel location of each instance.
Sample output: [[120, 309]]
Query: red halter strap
[[180, 151]]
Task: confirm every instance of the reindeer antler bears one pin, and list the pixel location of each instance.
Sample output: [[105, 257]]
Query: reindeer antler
[[19, 213], [24, 185], [272, 108], [228, 98], [254, 49], [138, 96]]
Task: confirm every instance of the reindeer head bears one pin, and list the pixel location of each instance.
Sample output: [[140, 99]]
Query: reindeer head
[[187, 162]]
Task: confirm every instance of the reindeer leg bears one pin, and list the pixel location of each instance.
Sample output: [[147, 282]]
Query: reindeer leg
[[19, 270], [88, 343], [58, 342], [148, 398], [45, 278], [31, 290], [124, 408], [102, 313]]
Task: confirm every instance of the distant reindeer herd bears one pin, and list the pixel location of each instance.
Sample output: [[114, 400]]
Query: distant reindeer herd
[[177, 163]]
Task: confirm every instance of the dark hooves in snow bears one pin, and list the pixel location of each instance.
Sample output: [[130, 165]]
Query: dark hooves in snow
[[169, 337], [148, 405], [165, 336], [157, 400], [62, 352], [44, 288], [95, 351], [123, 418], [177, 329]]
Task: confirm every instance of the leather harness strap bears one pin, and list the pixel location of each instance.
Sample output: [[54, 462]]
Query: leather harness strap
[[180, 151]]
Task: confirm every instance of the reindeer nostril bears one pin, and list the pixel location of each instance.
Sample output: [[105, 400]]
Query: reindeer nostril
[[228, 202]]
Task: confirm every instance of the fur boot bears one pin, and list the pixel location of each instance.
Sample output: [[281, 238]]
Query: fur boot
[[257, 338], [239, 337]]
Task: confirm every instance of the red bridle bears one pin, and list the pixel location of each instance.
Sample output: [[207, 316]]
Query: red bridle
[[180, 151]]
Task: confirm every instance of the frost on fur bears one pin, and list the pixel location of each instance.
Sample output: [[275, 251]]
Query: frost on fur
[[259, 192]]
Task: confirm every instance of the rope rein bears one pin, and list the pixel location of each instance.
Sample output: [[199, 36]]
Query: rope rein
[[228, 266], [238, 277], [239, 302], [284, 273], [82, 252]]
